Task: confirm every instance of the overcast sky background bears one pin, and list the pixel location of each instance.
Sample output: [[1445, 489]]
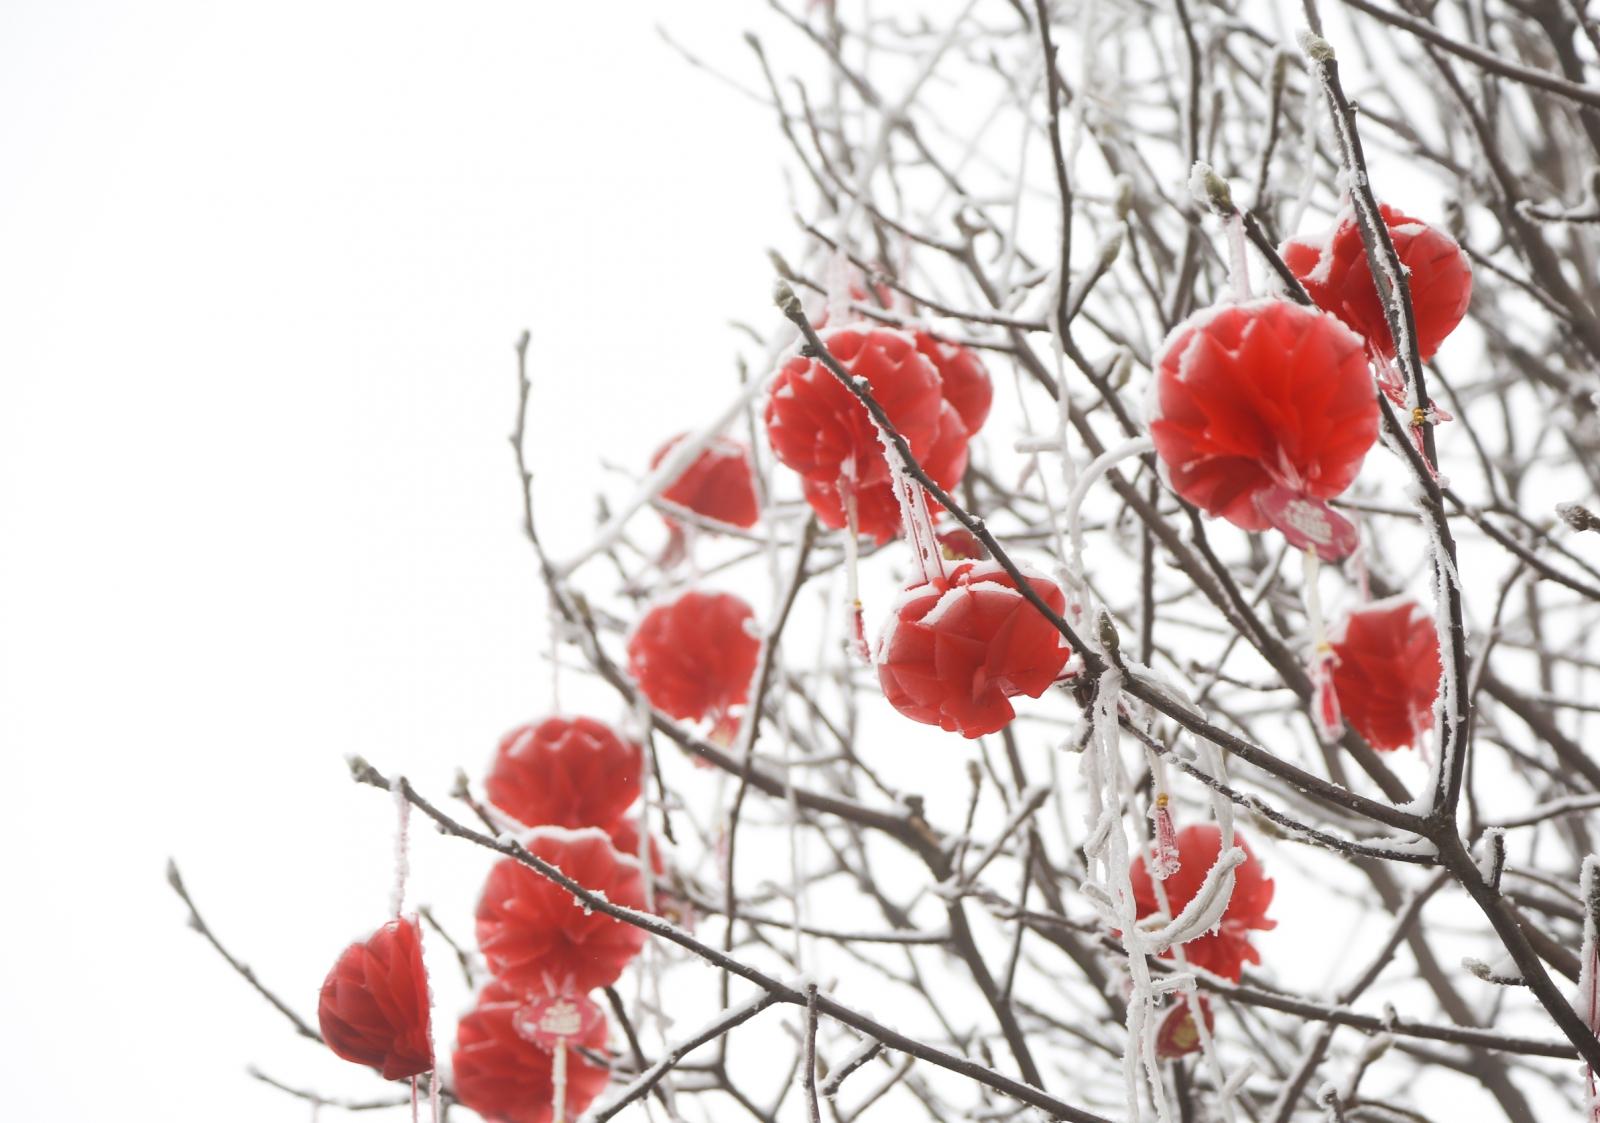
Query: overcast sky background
[[261, 268]]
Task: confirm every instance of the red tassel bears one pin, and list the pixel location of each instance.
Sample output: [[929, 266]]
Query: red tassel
[[1324, 698], [1166, 860]]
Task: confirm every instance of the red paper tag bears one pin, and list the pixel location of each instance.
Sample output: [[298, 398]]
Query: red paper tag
[[1325, 699], [547, 1021], [1309, 524]]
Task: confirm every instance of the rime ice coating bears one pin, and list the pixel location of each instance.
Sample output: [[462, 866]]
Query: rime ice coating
[[1227, 949]]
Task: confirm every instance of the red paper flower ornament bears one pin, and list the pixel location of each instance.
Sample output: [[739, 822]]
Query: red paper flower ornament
[[565, 772], [504, 1072], [1386, 672], [1262, 412], [818, 428], [1333, 269], [537, 938], [373, 1009], [719, 484], [877, 508], [963, 379], [694, 656], [1225, 950], [958, 648]]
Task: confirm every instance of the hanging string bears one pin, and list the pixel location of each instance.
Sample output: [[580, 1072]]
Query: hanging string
[[402, 861]]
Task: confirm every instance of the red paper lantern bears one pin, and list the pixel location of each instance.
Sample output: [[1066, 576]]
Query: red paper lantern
[[506, 1077], [720, 483], [1225, 950], [565, 772], [1261, 412], [1386, 672], [877, 508], [963, 379], [818, 428], [373, 1009], [958, 648], [694, 656], [1333, 269], [537, 937], [624, 835]]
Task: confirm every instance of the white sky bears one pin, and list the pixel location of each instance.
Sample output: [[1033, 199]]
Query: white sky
[[261, 268]]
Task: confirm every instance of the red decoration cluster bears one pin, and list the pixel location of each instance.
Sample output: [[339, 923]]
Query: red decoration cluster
[[694, 656], [936, 394], [1386, 672], [957, 649], [572, 780], [373, 1009], [1262, 412], [1225, 950], [1334, 271], [720, 484]]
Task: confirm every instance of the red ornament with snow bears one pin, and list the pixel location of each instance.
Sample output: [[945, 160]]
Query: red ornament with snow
[[504, 1063], [719, 483], [538, 938], [1386, 670], [1178, 1035], [1333, 269], [694, 656], [963, 379], [565, 772], [877, 507], [373, 1009], [960, 544], [1262, 412], [821, 430], [959, 647], [1225, 950]]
